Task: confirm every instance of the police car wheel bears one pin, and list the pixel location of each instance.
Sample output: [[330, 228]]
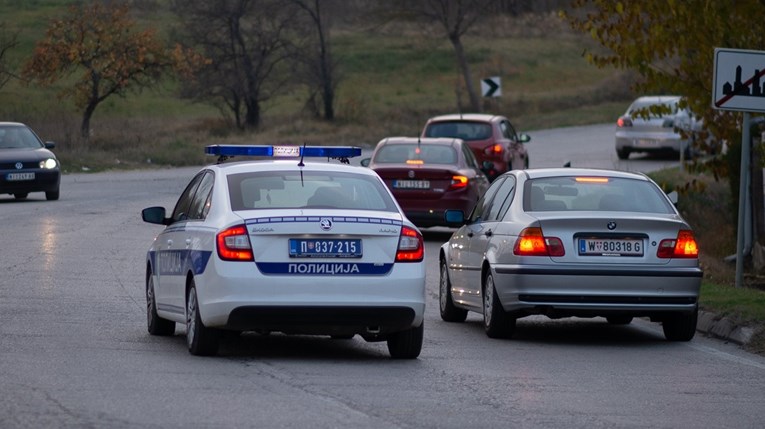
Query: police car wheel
[[406, 344], [201, 340], [156, 324]]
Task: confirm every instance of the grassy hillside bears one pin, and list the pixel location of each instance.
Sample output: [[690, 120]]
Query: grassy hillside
[[393, 78]]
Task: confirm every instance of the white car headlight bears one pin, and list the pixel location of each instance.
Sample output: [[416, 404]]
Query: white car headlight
[[49, 164]]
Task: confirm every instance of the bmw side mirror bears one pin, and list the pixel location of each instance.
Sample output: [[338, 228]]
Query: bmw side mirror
[[454, 218], [155, 215]]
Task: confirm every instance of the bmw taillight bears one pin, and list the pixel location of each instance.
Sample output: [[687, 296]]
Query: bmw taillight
[[684, 246], [458, 182], [532, 242], [234, 244], [411, 246], [623, 122]]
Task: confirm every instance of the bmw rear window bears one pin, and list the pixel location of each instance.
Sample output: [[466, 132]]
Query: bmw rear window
[[307, 189], [594, 194]]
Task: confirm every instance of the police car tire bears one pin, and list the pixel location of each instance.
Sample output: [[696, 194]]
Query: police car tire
[[406, 344], [156, 325], [201, 340]]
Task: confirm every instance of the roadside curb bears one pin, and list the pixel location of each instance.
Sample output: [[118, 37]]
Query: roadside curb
[[725, 328]]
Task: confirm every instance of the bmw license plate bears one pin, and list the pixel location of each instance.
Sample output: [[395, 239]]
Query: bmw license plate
[[324, 248], [411, 184], [610, 247], [15, 177]]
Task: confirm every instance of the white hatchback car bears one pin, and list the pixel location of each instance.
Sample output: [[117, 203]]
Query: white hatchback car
[[287, 246]]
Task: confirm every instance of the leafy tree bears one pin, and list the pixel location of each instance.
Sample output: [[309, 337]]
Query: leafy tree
[[456, 17], [244, 41], [7, 42], [315, 56], [101, 42], [670, 44]]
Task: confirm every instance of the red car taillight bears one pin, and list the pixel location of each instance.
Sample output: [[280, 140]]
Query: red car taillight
[[623, 122], [495, 149], [411, 247], [458, 182], [234, 244], [684, 246], [532, 242]]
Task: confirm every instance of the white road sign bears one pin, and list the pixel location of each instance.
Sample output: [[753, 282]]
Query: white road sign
[[491, 87], [739, 82]]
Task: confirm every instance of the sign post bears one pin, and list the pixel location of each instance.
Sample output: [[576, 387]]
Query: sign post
[[739, 85]]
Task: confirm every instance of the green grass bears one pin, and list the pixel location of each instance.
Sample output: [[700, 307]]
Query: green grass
[[745, 305]]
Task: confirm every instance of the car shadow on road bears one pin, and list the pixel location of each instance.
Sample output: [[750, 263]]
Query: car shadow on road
[[580, 332]]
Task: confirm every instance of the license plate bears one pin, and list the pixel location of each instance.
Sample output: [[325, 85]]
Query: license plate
[[610, 247], [13, 177], [646, 143], [411, 184], [324, 248]]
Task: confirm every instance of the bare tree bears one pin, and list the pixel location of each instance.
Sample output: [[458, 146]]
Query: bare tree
[[315, 56], [8, 41], [244, 42], [456, 17]]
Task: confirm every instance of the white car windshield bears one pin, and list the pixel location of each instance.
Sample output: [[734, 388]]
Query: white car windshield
[[308, 189]]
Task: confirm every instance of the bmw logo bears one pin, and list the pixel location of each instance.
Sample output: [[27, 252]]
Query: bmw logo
[[19, 166], [611, 225], [325, 224]]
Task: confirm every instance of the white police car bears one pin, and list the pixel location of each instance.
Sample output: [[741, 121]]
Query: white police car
[[286, 246]]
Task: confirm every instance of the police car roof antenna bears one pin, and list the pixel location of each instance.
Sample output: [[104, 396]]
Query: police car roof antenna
[[300, 164]]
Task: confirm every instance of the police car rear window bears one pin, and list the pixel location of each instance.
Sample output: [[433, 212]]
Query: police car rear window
[[293, 190]]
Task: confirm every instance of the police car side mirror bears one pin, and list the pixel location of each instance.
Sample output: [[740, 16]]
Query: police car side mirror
[[365, 162], [155, 215]]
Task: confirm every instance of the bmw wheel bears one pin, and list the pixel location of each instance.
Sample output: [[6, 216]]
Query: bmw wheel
[[406, 344], [496, 322], [201, 340], [156, 324], [623, 153], [449, 312], [681, 327]]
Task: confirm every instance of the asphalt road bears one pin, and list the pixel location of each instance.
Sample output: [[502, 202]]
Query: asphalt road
[[74, 351]]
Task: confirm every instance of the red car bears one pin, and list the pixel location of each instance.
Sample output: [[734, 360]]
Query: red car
[[493, 140], [429, 176]]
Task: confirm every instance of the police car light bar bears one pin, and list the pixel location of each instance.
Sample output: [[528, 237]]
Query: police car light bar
[[340, 152]]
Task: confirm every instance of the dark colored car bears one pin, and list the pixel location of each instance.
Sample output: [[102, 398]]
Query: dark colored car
[[492, 138], [26, 163], [429, 176]]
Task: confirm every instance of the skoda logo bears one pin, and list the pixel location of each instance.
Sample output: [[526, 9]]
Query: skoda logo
[[19, 166], [611, 225], [325, 224], [411, 174]]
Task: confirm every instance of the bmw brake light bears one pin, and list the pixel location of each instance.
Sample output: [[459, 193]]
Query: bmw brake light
[[532, 242], [234, 244], [411, 246], [684, 246]]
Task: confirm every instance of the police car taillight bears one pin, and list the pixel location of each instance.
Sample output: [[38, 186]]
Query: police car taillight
[[234, 244], [411, 247]]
